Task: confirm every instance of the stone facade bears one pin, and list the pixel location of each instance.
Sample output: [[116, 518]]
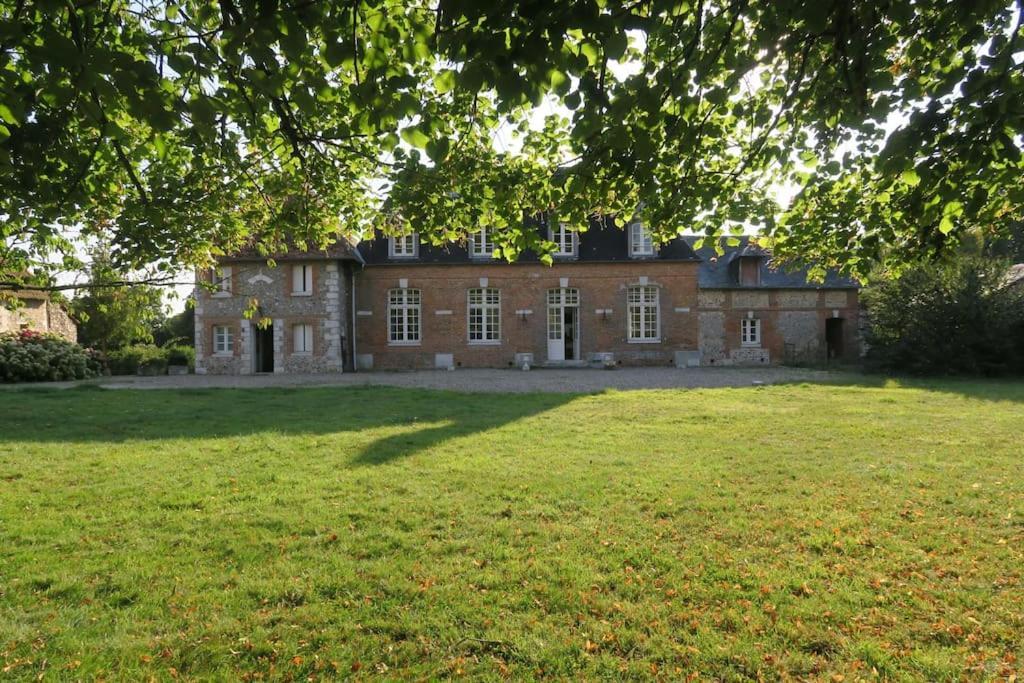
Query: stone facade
[[601, 324], [36, 312], [278, 309], [793, 326]]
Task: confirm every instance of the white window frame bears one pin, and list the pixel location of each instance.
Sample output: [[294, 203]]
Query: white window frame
[[404, 246], [405, 317], [302, 279], [481, 246], [222, 281], [750, 332], [642, 300], [302, 339], [484, 305], [566, 239], [641, 245], [223, 340]]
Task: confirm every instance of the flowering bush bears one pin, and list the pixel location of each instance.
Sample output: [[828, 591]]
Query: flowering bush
[[30, 356]]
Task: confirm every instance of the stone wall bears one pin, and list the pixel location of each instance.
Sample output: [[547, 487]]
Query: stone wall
[[41, 315], [269, 291], [793, 323]]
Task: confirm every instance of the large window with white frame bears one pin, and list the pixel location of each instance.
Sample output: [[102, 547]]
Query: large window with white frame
[[302, 338], [565, 240], [750, 332], [404, 246], [481, 244], [222, 281], [640, 242], [404, 316], [223, 339], [644, 314], [302, 279], [484, 316]]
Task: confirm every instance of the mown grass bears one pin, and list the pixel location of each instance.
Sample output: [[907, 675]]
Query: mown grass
[[809, 531]]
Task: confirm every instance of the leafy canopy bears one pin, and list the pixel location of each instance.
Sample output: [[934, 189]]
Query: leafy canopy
[[176, 130]]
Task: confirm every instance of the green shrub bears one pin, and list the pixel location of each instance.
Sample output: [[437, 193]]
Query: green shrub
[[958, 318], [128, 360], [181, 355], [30, 356]]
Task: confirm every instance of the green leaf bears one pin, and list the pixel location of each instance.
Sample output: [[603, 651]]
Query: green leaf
[[415, 137], [437, 149], [7, 115], [444, 81], [910, 177]]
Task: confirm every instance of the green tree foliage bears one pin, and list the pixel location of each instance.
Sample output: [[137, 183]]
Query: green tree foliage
[[181, 129], [177, 329], [953, 318], [110, 314]]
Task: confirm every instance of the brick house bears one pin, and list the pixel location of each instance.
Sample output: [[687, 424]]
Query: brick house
[[611, 297]]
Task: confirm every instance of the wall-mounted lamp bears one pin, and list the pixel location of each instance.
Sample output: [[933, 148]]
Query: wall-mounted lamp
[[603, 312], [523, 313]]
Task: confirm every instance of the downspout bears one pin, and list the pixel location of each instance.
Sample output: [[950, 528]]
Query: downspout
[[352, 275]]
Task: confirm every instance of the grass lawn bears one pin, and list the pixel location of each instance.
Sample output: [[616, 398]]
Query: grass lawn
[[813, 531]]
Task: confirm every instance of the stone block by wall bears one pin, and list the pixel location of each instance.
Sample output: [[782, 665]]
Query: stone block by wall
[[747, 300], [796, 299], [837, 299], [711, 299]]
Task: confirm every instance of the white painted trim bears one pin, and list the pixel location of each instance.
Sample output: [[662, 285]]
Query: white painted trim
[[563, 282], [443, 312], [415, 247]]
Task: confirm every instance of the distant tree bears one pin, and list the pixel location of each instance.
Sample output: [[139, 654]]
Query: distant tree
[[947, 318], [111, 314], [178, 328]]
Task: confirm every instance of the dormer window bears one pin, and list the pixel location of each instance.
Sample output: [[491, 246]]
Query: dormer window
[[750, 271], [564, 239], [404, 246], [480, 244], [640, 242]]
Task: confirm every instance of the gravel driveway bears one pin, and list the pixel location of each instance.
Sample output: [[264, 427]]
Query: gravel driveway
[[500, 381]]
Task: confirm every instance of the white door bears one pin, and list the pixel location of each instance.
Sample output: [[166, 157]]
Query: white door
[[558, 301]]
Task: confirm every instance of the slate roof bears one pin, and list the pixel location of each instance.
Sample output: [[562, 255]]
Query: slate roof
[[603, 242], [715, 273]]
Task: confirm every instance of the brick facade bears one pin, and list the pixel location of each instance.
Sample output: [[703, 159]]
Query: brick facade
[[602, 312]]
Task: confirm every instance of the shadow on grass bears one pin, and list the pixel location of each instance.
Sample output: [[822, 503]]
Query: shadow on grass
[[94, 415]]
